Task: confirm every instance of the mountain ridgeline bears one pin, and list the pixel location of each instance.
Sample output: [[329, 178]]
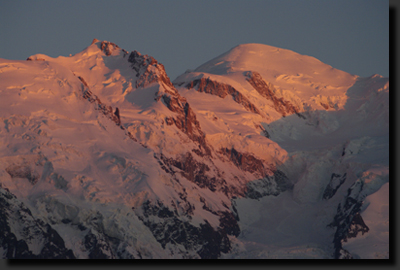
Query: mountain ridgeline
[[258, 153]]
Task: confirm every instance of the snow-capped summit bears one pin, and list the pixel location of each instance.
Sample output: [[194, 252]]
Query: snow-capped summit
[[296, 78], [258, 153], [278, 66], [261, 57]]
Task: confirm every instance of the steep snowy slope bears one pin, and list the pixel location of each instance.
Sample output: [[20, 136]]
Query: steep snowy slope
[[334, 127], [103, 157], [304, 81], [68, 163], [105, 129]]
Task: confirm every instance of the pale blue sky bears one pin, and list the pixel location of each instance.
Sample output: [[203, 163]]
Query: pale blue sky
[[351, 35]]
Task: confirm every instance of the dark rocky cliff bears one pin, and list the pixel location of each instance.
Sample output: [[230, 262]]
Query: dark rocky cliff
[[281, 105]]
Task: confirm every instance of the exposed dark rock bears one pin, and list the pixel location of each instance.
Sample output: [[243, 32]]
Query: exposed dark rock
[[36, 59], [108, 47], [269, 185], [192, 170], [247, 162], [148, 70], [169, 121], [59, 181], [228, 223], [334, 184], [185, 120], [54, 248], [214, 242], [196, 172], [357, 225], [118, 117], [81, 227], [23, 171], [326, 106], [31, 230], [157, 209], [265, 89], [208, 242], [234, 211], [263, 131], [270, 180], [98, 246], [348, 221], [106, 110], [66, 221], [221, 90], [85, 84], [100, 106], [206, 206]]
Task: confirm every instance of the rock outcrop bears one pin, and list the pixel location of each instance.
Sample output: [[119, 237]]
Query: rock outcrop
[[348, 221], [22, 236], [103, 108], [206, 85], [265, 89], [107, 47], [201, 241], [334, 184], [149, 71]]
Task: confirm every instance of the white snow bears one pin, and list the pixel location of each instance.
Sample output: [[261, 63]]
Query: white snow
[[45, 123]]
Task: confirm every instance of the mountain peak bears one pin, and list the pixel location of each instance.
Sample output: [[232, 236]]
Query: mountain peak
[[284, 68], [103, 157], [261, 57], [107, 47], [254, 46]]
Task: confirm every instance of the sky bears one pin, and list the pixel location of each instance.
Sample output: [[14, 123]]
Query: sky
[[350, 35]]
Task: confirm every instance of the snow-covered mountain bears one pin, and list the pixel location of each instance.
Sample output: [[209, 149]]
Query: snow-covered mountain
[[258, 153]]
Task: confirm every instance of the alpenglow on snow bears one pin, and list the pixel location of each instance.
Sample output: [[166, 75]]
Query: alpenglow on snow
[[258, 153]]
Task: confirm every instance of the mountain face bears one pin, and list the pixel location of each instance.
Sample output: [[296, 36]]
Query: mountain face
[[258, 153]]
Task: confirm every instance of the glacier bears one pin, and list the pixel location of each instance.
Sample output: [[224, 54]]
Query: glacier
[[258, 153]]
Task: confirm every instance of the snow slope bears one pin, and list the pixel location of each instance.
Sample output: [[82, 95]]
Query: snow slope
[[341, 131], [237, 159], [298, 78]]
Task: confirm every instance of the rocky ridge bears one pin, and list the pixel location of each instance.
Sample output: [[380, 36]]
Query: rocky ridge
[[188, 205]]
